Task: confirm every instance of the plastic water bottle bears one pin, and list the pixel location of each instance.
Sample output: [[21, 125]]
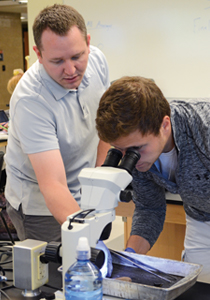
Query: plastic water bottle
[[83, 280]]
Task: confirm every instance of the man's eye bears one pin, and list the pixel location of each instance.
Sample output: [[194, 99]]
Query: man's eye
[[136, 148], [75, 57], [57, 62], [78, 56]]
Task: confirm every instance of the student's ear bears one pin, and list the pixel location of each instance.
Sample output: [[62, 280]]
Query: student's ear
[[166, 124]]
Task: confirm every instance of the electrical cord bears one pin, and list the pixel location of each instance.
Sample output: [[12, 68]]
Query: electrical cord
[[5, 294], [3, 243], [2, 270], [9, 254], [8, 270], [6, 262], [53, 287], [3, 278], [6, 287], [47, 296], [5, 253]]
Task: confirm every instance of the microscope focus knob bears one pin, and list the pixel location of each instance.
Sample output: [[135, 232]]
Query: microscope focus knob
[[52, 253], [126, 196]]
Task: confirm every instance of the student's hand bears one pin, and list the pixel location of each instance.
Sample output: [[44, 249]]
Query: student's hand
[[129, 249], [138, 244]]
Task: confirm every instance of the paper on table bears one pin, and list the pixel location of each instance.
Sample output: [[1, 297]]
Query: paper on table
[[3, 135]]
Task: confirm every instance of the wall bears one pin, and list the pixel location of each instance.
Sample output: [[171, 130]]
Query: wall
[[168, 41], [11, 45]]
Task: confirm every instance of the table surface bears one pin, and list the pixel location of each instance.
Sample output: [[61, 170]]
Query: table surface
[[199, 291]]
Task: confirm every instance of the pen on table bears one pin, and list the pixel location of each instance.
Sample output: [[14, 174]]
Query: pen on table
[[3, 127]]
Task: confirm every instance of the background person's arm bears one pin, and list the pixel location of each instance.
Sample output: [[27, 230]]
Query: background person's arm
[[49, 169]]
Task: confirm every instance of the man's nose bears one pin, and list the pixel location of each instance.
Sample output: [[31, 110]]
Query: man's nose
[[69, 68]]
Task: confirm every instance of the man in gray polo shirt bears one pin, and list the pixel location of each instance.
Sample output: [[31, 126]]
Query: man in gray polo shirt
[[52, 133]]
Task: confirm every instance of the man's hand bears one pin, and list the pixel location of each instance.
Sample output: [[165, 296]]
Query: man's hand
[[50, 173], [138, 244]]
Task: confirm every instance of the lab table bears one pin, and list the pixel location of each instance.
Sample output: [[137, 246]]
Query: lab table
[[199, 290], [3, 139]]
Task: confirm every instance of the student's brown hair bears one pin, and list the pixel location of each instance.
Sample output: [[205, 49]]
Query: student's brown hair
[[129, 104]]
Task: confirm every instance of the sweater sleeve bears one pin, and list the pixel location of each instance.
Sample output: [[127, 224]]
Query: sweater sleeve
[[150, 208]]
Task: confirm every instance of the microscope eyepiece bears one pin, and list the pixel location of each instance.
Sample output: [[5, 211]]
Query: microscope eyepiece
[[113, 158], [129, 160]]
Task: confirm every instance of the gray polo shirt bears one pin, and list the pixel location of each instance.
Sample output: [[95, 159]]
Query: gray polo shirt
[[45, 116]]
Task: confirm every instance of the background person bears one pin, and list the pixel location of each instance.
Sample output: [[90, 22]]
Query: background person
[[13, 81], [174, 144], [17, 74], [52, 125]]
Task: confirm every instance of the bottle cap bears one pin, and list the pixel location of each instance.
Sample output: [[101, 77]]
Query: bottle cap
[[83, 249]]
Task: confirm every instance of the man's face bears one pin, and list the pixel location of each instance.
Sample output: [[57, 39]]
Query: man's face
[[149, 146], [64, 58]]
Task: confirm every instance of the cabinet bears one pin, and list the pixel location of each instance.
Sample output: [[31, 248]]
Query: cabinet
[[171, 240]]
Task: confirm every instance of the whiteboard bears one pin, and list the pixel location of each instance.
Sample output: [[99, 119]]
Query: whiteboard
[[166, 40]]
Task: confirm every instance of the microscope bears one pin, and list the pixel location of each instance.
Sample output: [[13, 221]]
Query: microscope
[[102, 188]]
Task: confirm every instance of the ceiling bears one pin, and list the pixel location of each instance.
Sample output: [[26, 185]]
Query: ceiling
[[15, 6]]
